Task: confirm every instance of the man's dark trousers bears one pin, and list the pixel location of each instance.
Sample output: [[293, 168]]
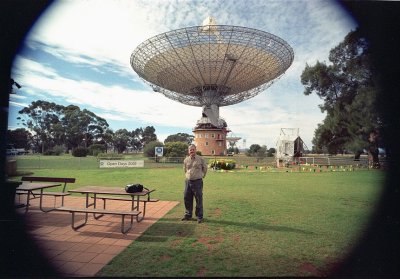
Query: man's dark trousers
[[193, 188]]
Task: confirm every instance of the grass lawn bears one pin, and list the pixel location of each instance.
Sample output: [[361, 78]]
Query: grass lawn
[[256, 224]]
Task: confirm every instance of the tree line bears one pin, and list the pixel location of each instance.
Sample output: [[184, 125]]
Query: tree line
[[49, 126], [349, 88]]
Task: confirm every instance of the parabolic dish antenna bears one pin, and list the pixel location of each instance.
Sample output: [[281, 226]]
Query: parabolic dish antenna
[[211, 65]]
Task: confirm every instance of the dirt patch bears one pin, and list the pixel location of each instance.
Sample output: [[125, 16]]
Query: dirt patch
[[217, 212], [164, 258], [176, 242], [332, 265], [209, 242], [202, 272], [309, 269], [236, 239]]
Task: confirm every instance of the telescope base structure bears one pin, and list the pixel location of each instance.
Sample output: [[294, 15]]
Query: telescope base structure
[[210, 140]]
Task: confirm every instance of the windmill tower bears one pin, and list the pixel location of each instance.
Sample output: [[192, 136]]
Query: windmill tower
[[210, 66]]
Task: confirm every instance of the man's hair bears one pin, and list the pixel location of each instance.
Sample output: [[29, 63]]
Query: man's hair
[[191, 146]]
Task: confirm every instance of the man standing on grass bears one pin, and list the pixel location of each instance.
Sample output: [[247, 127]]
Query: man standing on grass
[[195, 169]]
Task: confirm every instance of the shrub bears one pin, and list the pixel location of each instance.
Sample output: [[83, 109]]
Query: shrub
[[149, 148], [224, 164], [58, 150], [96, 148], [110, 156], [80, 152], [48, 152]]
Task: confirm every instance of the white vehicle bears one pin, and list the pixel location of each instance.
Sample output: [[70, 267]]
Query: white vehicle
[[21, 151], [12, 152]]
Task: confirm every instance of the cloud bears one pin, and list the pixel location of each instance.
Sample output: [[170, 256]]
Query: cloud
[[16, 104], [119, 102], [101, 35]]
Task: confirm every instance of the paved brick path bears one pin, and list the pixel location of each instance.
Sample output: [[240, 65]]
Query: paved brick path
[[86, 251]]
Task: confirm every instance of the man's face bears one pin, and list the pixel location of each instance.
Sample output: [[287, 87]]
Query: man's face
[[192, 151]]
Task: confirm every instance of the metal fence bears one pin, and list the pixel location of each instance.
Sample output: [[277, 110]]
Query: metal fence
[[31, 162], [27, 162]]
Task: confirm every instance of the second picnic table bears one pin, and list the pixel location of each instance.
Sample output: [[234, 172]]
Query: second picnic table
[[30, 187]]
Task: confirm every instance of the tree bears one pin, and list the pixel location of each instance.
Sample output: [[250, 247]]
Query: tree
[[271, 152], [53, 124], [176, 149], [121, 140], [136, 139], [148, 135], [43, 119], [180, 137], [19, 138], [261, 153], [349, 92], [254, 148], [107, 138], [82, 127]]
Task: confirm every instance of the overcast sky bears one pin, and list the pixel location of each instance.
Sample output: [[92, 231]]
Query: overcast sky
[[78, 53]]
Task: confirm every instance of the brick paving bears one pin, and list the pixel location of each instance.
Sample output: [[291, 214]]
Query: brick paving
[[85, 251]]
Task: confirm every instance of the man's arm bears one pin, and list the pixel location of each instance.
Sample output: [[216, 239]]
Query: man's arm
[[205, 167]]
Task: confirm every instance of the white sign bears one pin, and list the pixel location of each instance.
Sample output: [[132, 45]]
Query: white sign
[[121, 164], [159, 151]]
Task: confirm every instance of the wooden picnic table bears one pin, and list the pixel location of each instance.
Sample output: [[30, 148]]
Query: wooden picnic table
[[29, 187]]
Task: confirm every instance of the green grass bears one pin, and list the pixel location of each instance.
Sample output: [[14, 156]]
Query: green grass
[[256, 224]]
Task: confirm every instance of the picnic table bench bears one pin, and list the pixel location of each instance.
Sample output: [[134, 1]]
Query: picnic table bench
[[102, 212], [62, 194], [145, 201]]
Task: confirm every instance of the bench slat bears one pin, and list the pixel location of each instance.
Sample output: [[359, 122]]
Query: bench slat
[[48, 179], [64, 180], [18, 192], [99, 211], [123, 199]]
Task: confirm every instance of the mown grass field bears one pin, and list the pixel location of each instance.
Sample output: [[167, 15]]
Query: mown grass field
[[256, 223]]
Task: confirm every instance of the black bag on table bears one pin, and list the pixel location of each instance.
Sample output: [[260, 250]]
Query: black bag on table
[[133, 188]]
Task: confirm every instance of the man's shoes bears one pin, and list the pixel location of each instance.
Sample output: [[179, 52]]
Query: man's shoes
[[185, 218], [199, 221]]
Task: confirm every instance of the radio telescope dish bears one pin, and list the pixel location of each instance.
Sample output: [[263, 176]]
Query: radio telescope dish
[[211, 66], [232, 139]]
